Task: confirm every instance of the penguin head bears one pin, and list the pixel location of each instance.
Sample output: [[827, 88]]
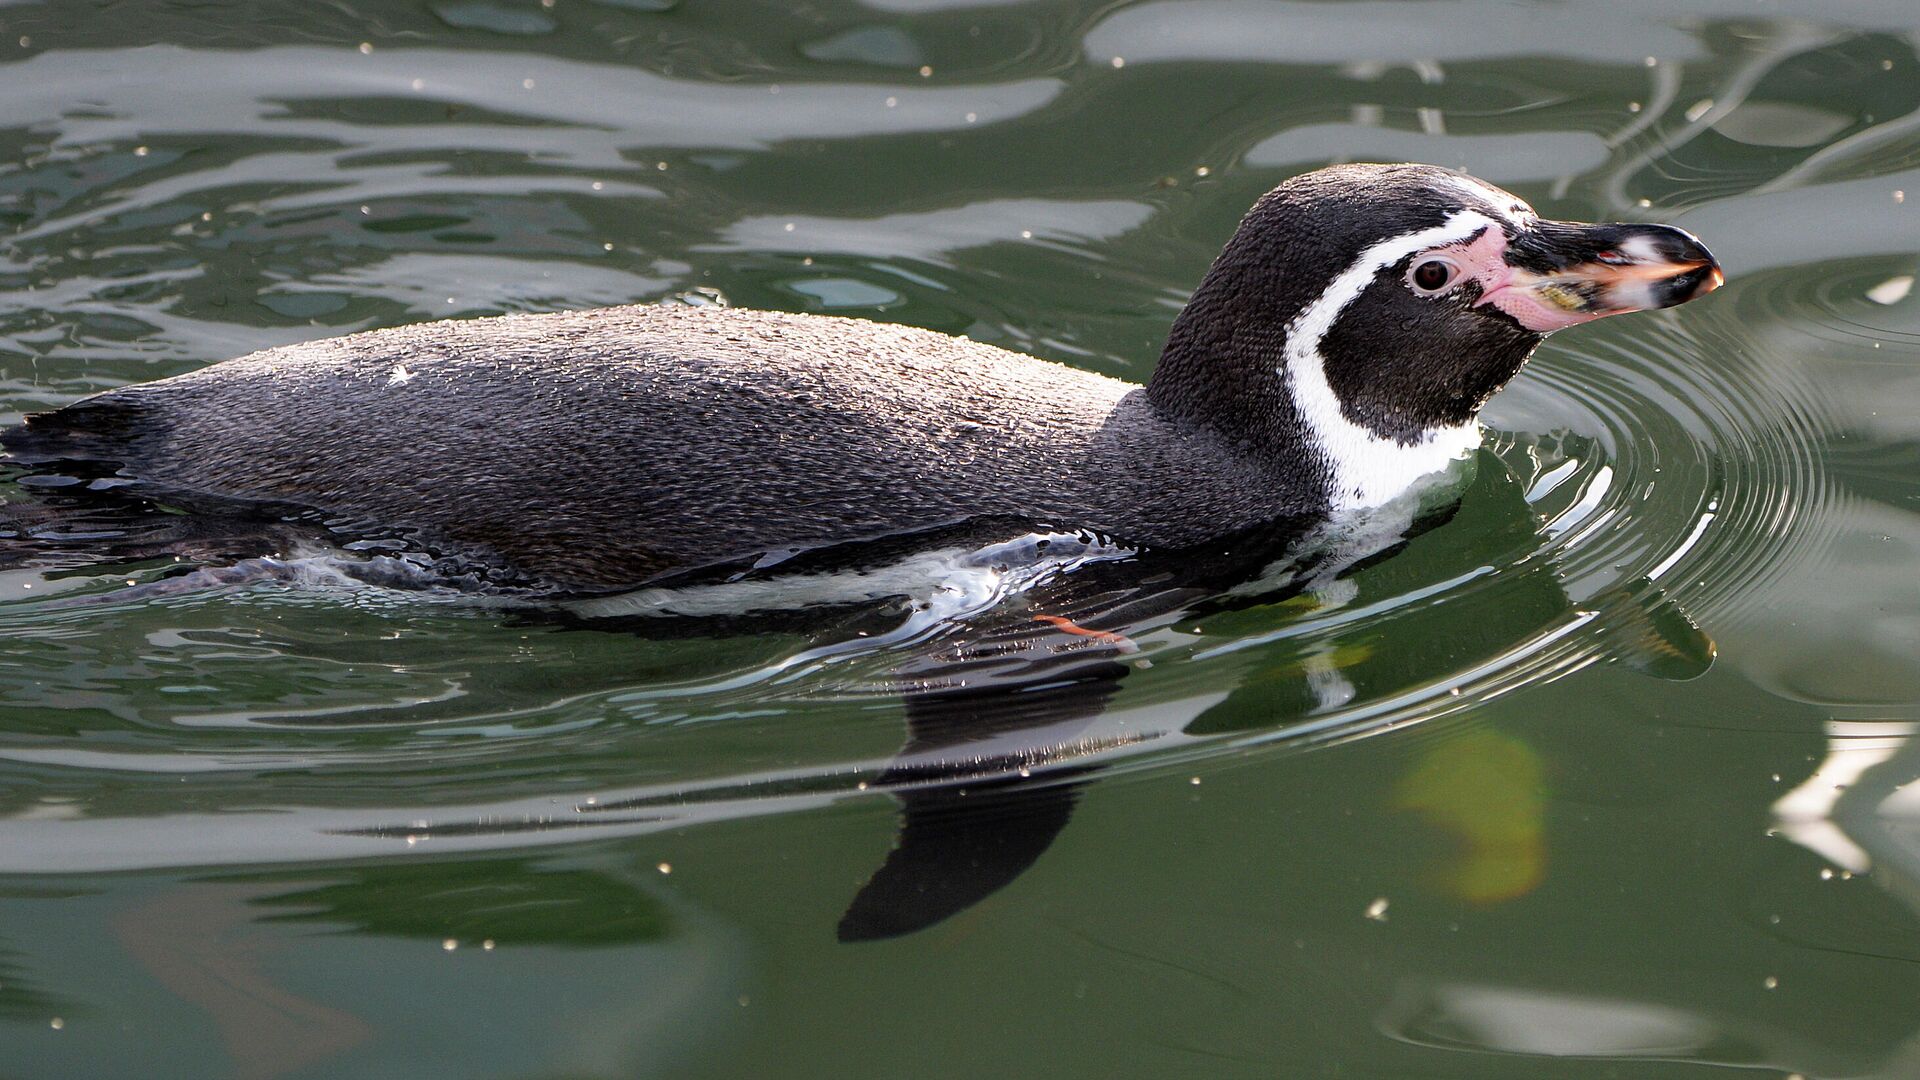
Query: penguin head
[[1361, 315]]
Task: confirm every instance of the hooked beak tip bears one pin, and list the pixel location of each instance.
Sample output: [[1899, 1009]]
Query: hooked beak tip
[[1714, 279], [1689, 282], [1569, 274]]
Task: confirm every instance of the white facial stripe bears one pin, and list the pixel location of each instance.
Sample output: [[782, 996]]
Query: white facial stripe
[[1503, 203], [1367, 470]]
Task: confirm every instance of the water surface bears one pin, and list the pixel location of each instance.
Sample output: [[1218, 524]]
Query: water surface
[[1482, 808]]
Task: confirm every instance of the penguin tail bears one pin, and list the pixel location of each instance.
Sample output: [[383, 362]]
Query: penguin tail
[[107, 428]]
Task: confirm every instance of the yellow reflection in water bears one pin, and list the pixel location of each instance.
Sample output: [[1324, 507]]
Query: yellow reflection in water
[[1487, 791]]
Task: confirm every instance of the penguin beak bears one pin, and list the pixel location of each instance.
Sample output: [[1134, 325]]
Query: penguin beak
[[1562, 273]]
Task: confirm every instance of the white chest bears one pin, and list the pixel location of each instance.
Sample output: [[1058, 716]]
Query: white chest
[[1370, 471]]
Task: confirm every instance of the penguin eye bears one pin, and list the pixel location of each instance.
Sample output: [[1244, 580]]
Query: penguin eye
[[1432, 275]]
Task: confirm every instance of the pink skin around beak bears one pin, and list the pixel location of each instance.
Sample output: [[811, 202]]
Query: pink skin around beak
[[1635, 277]]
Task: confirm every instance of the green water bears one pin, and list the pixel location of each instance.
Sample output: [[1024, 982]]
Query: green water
[[1486, 811]]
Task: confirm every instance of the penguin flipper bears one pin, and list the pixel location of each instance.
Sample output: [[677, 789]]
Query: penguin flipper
[[958, 845], [970, 821]]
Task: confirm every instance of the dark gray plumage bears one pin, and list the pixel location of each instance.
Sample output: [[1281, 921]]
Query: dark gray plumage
[[594, 449], [598, 449]]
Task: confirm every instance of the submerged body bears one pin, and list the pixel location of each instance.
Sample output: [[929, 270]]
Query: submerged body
[[1338, 350]]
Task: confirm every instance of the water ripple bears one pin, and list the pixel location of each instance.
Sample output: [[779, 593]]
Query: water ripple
[[1645, 485]]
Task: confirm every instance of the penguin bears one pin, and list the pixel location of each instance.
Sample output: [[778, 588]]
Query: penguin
[[1335, 355], [1337, 352]]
